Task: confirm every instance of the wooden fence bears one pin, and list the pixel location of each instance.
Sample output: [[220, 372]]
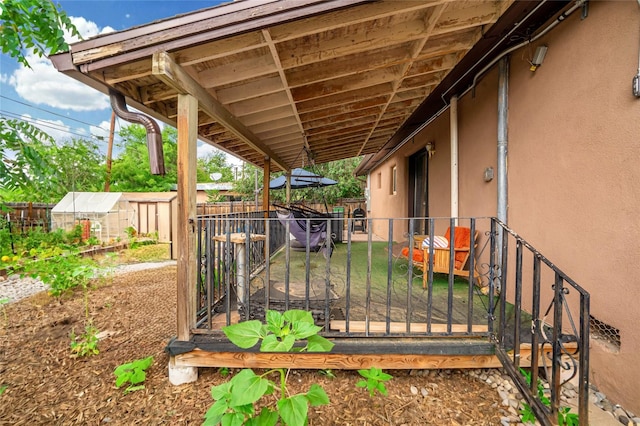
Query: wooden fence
[[28, 216], [348, 205]]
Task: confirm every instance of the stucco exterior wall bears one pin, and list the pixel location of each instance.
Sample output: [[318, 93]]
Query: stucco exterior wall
[[574, 180], [573, 175]]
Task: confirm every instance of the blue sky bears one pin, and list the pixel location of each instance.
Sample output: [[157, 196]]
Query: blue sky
[[58, 104]]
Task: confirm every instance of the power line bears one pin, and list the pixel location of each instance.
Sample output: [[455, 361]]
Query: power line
[[52, 113], [50, 125]]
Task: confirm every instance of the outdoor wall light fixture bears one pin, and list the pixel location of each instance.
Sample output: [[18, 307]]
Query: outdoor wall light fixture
[[538, 57], [488, 174], [431, 148]]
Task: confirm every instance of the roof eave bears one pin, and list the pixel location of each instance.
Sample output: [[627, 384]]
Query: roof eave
[[461, 77]]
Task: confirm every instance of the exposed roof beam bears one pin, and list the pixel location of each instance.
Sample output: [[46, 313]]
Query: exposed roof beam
[[285, 84], [429, 25], [165, 68]]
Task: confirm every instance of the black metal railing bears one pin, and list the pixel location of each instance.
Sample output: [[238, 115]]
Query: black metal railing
[[221, 249], [496, 289], [355, 284], [538, 305]]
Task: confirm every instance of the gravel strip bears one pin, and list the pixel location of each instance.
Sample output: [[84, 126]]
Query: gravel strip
[[15, 288]]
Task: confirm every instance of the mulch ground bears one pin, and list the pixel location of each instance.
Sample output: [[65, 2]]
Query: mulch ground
[[136, 314]]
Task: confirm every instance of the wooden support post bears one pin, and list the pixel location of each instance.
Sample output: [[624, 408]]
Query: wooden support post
[[265, 185], [112, 127], [187, 220]]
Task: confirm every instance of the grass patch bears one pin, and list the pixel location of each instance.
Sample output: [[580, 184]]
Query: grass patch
[[383, 289], [144, 253]]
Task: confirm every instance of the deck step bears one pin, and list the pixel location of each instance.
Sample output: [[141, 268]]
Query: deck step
[[401, 327]]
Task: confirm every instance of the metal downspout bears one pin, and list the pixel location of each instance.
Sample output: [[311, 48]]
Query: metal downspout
[[503, 109], [453, 117], [154, 136]]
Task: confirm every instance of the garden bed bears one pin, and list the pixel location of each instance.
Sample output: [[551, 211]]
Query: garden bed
[[135, 315]]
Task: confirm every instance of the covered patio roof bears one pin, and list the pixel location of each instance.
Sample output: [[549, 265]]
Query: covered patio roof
[[302, 80]]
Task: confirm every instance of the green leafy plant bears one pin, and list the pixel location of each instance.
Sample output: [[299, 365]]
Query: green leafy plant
[[85, 344], [132, 373], [565, 417], [3, 388], [291, 331], [327, 372], [375, 379], [61, 269]]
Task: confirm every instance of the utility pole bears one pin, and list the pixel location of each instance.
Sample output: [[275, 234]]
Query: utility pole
[[107, 182]]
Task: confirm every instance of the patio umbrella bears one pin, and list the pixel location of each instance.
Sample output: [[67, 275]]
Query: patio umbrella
[[301, 178]]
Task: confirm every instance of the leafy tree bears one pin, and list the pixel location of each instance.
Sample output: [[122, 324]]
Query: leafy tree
[[79, 166], [22, 149], [215, 162], [245, 184], [130, 170], [27, 26], [342, 171], [33, 25], [75, 165]]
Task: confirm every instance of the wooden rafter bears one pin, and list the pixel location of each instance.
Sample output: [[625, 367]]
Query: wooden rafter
[[165, 68]]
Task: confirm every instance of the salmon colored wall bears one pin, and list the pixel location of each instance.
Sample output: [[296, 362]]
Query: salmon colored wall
[[573, 174], [387, 205], [574, 180]]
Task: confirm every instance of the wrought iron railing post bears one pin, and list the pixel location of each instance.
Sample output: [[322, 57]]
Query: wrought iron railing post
[[583, 372], [517, 305], [504, 243], [536, 325], [472, 274], [492, 277], [556, 355], [389, 275]]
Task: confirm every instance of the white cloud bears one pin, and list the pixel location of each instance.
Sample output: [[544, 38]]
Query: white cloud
[[205, 149], [42, 84], [101, 130], [87, 29], [4, 78]]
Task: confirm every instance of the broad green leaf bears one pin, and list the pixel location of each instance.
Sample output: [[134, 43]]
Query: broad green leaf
[[298, 315], [293, 410], [317, 395], [217, 410], [361, 384], [244, 409], [318, 343], [133, 389], [245, 334], [382, 388], [121, 380], [222, 391], [272, 344], [137, 376], [145, 362], [232, 419], [247, 388], [275, 319], [266, 417], [122, 368], [302, 330]]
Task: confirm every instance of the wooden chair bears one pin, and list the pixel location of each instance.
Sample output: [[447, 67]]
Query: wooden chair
[[461, 249]]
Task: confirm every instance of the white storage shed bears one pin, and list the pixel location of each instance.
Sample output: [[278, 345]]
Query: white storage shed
[[104, 215]]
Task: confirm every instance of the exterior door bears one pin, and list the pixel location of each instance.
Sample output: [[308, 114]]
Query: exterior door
[[419, 190]]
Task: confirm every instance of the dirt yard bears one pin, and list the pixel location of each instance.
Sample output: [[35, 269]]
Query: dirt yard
[[135, 313]]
